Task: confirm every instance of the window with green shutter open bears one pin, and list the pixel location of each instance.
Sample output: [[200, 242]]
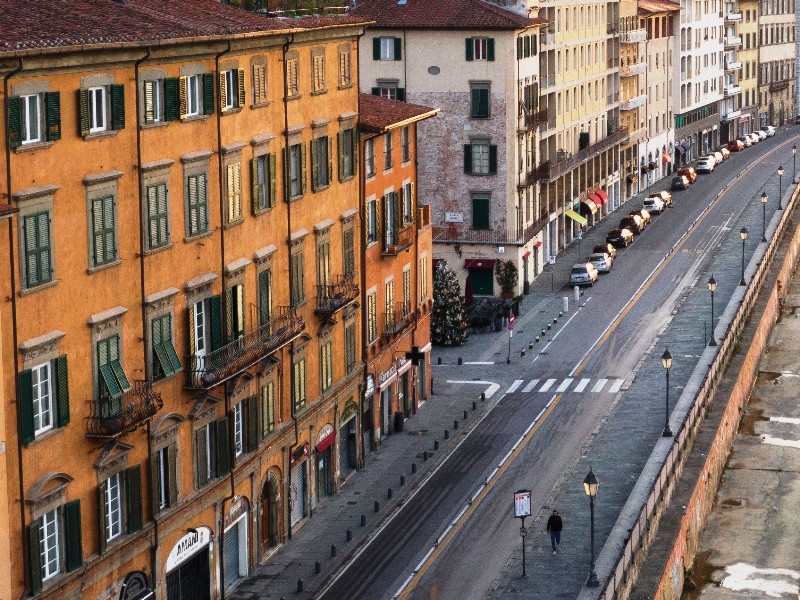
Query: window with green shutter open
[[112, 380], [264, 190], [165, 360], [43, 398]]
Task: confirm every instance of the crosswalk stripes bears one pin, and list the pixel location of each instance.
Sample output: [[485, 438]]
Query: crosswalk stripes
[[564, 385]]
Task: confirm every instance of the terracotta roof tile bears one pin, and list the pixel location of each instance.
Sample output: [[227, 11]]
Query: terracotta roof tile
[[442, 14], [30, 24], [658, 6], [378, 114]]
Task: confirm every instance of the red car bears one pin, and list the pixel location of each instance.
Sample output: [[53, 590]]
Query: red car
[[735, 145], [687, 172]]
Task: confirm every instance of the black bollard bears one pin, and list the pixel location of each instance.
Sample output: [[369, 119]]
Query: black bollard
[[522, 352], [317, 568], [555, 320], [530, 344], [435, 444], [460, 360], [455, 424], [465, 415], [439, 360], [333, 550], [413, 467], [474, 405], [363, 520], [402, 480], [543, 333], [483, 396], [425, 456], [447, 434], [377, 506], [537, 339], [390, 493], [349, 535], [301, 587], [549, 327]]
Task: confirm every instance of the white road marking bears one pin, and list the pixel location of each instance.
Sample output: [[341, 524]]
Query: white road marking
[[776, 441], [598, 387], [564, 385], [615, 386], [530, 385], [547, 385], [515, 385], [490, 391], [581, 385], [773, 582], [789, 420], [491, 362]]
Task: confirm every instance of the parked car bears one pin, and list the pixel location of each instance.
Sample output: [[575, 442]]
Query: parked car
[[620, 238], [711, 157], [745, 140], [607, 248], [602, 261], [754, 137], [706, 165], [583, 274], [644, 214], [762, 133], [665, 197], [735, 146], [770, 130], [680, 182], [690, 173], [726, 154], [718, 156], [632, 222], [654, 205]]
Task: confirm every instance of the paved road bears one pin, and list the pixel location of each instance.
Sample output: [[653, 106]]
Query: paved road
[[639, 299]]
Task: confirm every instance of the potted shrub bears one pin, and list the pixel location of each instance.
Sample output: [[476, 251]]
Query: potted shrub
[[507, 277]]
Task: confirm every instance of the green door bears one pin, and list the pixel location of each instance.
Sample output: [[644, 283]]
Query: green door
[[482, 282]]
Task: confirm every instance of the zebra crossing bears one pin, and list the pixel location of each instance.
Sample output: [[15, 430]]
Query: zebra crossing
[[568, 384]]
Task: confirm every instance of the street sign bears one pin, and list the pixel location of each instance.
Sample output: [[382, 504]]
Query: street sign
[[552, 259], [522, 504]]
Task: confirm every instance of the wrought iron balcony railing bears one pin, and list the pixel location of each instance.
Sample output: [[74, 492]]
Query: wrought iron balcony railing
[[534, 119], [633, 37], [396, 320], [565, 163], [111, 417], [219, 365], [461, 233], [335, 296], [398, 240]]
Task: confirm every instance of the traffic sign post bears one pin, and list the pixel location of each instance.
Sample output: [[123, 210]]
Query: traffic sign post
[[522, 509], [510, 334], [552, 262]]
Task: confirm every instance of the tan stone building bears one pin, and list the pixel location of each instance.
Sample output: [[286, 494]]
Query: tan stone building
[[632, 69], [746, 65], [776, 61]]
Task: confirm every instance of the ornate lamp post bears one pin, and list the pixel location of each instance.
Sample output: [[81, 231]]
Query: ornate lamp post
[[666, 361], [763, 216], [590, 485], [743, 235], [780, 187], [712, 287]]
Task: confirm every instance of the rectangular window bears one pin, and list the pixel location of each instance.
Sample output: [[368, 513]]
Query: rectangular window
[[264, 190], [480, 158], [265, 296], [326, 365], [165, 360], [318, 71], [233, 178], [345, 72], [480, 212], [42, 383], [389, 301], [49, 545], [31, 119], [480, 48], [369, 158], [112, 381], [260, 84], [387, 150], [231, 89], [267, 408], [390, 218], [408, 203], [292, 77], [238, 429], [372, 316], [234, 322], [97, 109], [347, 153], [37, 250], [43, 398], [204, 447], [197, 199], [104, 243], [372, 221], [37, 117], [423, 278], [348, 253], [296, 171], [321, 165], [193, 95], [479, 101], [157, 216], [389, 90], [154, 101], [386, 48], [298, 286], [405, 144], [407, 291], [299, 384], [113, 507], [350, 347], [199, 327], [323, 263]]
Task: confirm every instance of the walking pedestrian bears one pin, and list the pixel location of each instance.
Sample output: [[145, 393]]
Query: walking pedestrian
[[554, 526]]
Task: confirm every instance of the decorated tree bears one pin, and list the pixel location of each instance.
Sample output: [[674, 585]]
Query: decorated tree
[[447, 317]]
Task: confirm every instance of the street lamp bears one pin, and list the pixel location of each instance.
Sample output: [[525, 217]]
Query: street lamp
[[780, 187], [763, 216], [590, 485], [743, 235], [666, 360], [712, 287], [794, 163]]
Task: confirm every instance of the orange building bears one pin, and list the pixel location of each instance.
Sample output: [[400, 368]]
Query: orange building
[[397, 278], [180, 349]]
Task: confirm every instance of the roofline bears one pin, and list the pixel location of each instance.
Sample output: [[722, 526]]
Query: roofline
[[403, 123], [489, 28]]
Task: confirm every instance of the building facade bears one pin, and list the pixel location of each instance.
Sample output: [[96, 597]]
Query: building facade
[[776, 61], [181, 344], [746, 65], [632, 73]]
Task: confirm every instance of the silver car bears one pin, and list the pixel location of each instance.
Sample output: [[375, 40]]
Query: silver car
[[583, 274], [602, 261]]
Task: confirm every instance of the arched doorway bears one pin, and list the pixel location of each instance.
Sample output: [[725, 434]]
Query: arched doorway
[[270, 513]]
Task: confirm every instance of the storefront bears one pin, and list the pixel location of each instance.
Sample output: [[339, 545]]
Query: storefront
[[234, 545], [386, 380], [366, 417], [188, 566], [299, 485], [270, 512], [404, 394], [135, 587], [323, 451], [348, 451]]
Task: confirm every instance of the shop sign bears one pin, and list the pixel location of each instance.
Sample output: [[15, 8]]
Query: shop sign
[[189, 545], [326, 430], [370, 387], [453, 217], [348, 412], [134, 587], [388, 373], [300, 453], [237, 509], [401, 361]]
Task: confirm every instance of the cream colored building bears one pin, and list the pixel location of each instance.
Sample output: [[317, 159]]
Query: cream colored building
[[746, 64], [632, 69], [777, 61]]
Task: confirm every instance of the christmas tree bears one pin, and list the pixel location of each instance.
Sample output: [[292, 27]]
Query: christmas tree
[[447, 317]]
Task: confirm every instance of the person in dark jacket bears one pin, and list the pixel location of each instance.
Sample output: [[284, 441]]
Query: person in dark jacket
[[554, 526]]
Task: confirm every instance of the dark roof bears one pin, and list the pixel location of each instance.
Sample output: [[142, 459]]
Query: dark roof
[[379, 114], [31, 24], [658, 6], [442, 14]]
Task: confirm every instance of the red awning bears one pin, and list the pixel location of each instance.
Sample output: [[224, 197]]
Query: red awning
[[602, 194], [597, 199], [526, 255], [479, 263], [537, 244], [325, 443]]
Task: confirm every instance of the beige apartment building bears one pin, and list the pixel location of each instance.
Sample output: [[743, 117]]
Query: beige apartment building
[[776, 58], [632, 69], [747, 66]]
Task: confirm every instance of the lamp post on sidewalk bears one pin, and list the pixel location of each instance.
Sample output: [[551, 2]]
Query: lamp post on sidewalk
[[763, 216], [666, 361], [794, 163], [743, 235], [590, 485], [712, 287], [780, 187]]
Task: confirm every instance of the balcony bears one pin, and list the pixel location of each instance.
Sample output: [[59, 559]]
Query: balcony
[[534, 119], [547, 81], [612, 98], [732, 65], [547, 39], [633, 37], [733, 17], [732, 40], [219, 365], [397, 320], [566, 163], [633, 70], [394, 242], [637, 135], [111, 417], [632, 103], [731, 115], [333, 297], [612, 62], [732, 89], [461, 233], [779, 86]]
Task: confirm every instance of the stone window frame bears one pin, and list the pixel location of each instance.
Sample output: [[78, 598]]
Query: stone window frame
[[345, 70], [42, 497], [104, 325], [195, 163], [163, 434], [405, 148], [157, 305], [29, 202], [156, 173], [322, 235], [269, 374], [317, 53], [349, 321], [145, 76], [422, 281], [101, 185], [189, 71], [240, 396], [104, 80], [41, 349], [203, 414], [297, 246], [231, 155], [372, 292], [230, 64], [112, 460], [262, 147], [31, 88], [259, 61]]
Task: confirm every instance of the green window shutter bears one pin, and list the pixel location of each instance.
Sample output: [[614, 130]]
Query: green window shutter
[[376, 48], [172, 478], [215, 313], [519, 48], [252, 423], [240, 84], [340, 153], [287, 190], [492, 159], [490, 49], [470, 48], [35, 562], [468, 159], [103, 230], [107, 376], [354, 146], [62, 390], [117, 107], [255, 186], [83, 112], [201, 456], [480, 213], [223, 452], [172, 355], [101, 514], [398, 48], [303, 168], [14, 123], [208, 93], [401, 94], [52, 106], [273, 190], [483, 106], [475, 102], [26, 407], [330, 159], [133, 498], [73, 548], [376, 91], [314, 165], [155, 479], [119, 373], [264, 290], [171, 104]]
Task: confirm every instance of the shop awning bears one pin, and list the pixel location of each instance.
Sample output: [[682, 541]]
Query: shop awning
[[479, 263], [588, 207], [575, 217], [596, 199], [325, 443], [602, 194]]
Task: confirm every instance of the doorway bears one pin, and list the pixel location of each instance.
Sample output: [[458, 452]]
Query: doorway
[[270, 513], [191, 580]]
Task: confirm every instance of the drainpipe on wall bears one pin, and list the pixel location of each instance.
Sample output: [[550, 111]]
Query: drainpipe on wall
[[14, 333], [362, 207]]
